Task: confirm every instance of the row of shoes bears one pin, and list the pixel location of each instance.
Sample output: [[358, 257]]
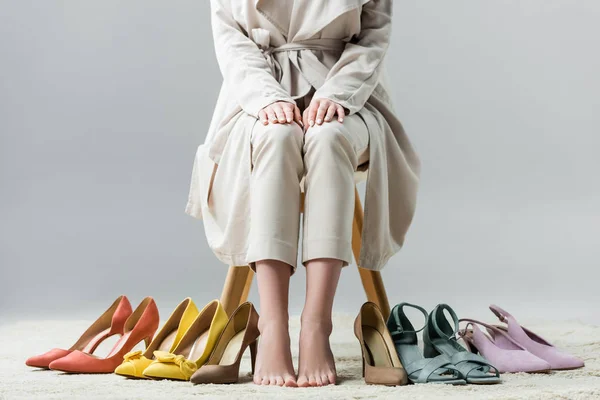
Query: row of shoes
[[206, 346], [392, 356], [201, 346]]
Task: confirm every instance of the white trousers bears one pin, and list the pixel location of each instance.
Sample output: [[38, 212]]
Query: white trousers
[[326, 156]]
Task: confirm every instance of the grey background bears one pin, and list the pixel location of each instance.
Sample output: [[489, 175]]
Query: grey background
[[102, 105]]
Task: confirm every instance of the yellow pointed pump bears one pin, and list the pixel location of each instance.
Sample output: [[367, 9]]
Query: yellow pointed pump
[[135, 362], [195, 346]]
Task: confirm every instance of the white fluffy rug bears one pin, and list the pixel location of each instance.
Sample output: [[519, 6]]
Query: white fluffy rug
[[19, 340]]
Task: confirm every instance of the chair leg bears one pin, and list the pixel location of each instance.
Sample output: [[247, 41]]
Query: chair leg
[[371, 280], [236, 287]]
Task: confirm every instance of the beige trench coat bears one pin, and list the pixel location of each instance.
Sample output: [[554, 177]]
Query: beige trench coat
[[276, 50]]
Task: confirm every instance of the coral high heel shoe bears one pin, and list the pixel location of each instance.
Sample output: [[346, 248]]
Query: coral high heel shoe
[[135, 362], [241, 332], [140, 325], [194, 348], [110, 323]]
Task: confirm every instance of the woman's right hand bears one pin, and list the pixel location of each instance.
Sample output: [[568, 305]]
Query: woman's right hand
[[280, 112]]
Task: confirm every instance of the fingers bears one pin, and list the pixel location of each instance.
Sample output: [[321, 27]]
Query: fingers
[[312, 112], [289, 114], [271, 116], [319, 111], [280, 112], [340, 112], [262, 115], [323, 106], [323, 110], [330, 112]]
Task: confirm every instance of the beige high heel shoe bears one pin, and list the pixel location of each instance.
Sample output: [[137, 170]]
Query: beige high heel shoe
[[241, 331], [381, 365]]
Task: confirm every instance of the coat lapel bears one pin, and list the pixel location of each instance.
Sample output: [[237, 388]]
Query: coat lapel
[[277, 12], [302, 19]]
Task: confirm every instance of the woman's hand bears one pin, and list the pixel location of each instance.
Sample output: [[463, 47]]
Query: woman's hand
[[321, 110], [280, 112]]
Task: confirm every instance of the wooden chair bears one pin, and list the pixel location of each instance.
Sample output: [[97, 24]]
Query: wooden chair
[[239, 279]]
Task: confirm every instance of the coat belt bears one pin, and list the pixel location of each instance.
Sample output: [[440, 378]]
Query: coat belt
[[308, 65]]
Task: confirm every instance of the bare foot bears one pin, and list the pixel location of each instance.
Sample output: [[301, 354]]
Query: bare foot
[[316, 365], [274, 360]]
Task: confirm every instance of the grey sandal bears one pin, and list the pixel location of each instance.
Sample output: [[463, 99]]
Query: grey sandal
[[439, 337], [438, 369]]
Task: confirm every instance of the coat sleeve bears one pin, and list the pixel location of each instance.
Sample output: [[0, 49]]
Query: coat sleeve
[[242, 63], [352, 79]]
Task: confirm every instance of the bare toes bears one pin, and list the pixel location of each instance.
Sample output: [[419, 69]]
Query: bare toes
[[331, 377], [272, 381], [279, 381], [290, 382], [312, 381], [265, 381], [257, 380], [319, 381], [325, 380], [303, 381]]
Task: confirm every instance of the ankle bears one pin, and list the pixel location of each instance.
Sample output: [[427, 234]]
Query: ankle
[[316, 322], [279, 323]]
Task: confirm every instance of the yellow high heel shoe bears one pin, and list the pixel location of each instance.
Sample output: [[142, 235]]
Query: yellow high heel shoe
[[135, 362], [195, 346]]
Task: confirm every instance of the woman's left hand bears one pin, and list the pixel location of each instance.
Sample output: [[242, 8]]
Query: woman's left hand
[[322, 110]]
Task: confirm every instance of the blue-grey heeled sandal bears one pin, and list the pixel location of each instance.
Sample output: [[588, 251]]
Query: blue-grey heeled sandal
[[439, 337], [438, 369]]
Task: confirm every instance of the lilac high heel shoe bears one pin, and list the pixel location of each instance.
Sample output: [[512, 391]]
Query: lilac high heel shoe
[[534, 343], [506, 354]]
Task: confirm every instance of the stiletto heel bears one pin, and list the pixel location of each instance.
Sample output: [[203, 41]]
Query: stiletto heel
[[381, 365], [110, 323], [142, 323], [241, 331], [363, 364], [253, 350]]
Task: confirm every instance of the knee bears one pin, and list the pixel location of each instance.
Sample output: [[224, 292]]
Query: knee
[[280, 137], [328, 137]]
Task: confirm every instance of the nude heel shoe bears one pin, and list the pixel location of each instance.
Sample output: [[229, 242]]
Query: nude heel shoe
[[241, 332], [110, 323], [135, 362], [381, 365], [140, 325]]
